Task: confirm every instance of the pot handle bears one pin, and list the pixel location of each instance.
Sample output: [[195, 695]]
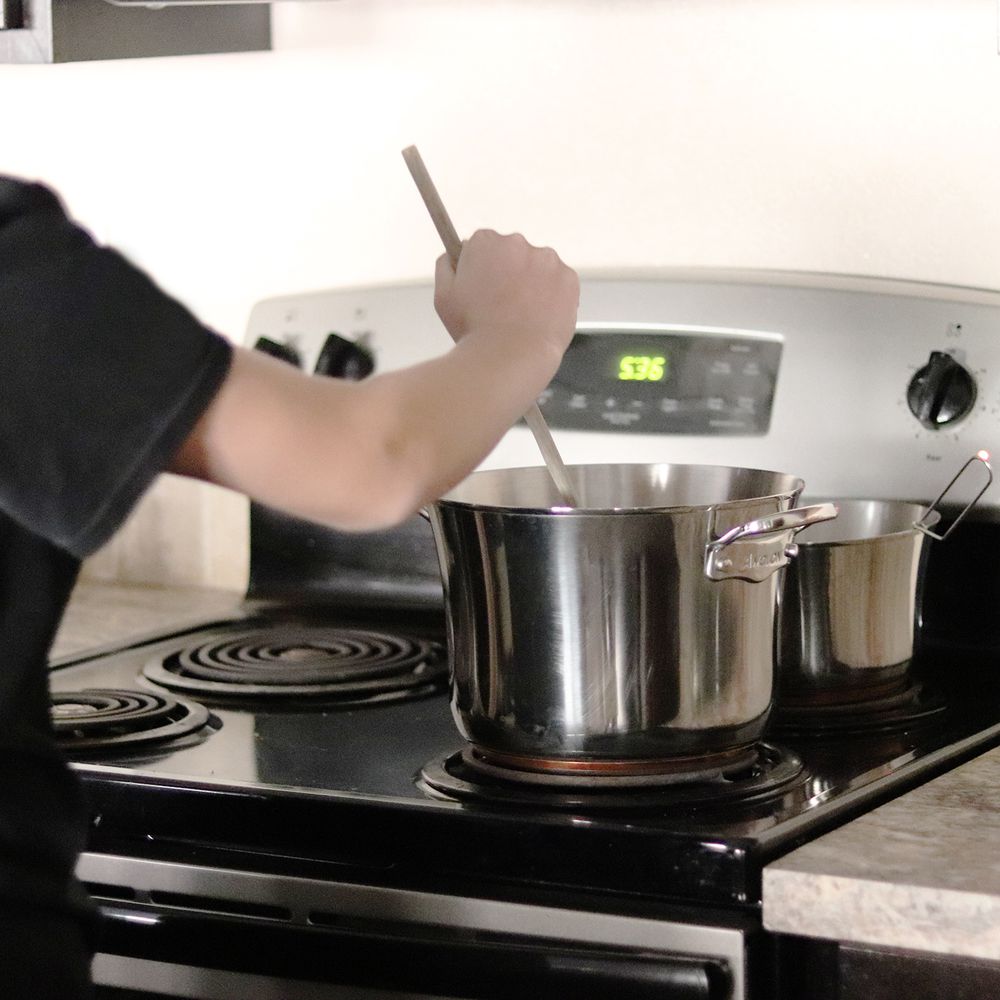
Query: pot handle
[[755, 550], [924, 524]]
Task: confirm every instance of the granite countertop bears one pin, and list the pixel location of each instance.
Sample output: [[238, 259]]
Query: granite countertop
[[100, 614], [921, 872]]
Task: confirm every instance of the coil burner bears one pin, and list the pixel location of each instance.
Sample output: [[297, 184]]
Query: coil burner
[[303, 664], [762, 772], [97, 720]]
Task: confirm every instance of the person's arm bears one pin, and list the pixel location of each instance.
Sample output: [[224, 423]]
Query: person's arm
[[365, 455]]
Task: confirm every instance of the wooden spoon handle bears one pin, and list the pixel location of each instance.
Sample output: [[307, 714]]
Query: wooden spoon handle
[[435, 206], [453, 248]]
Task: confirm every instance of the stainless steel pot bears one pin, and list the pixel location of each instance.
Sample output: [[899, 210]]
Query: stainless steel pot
[[633, 629], [849, 603], [850, 600]]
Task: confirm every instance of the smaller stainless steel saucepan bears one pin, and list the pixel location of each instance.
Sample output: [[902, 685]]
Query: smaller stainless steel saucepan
[[850, 600]]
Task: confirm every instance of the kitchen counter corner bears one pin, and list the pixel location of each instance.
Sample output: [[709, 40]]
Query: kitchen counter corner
[[102, 613], [921, 872]]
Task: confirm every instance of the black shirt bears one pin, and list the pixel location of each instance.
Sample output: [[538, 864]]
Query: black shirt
[[102, 376]]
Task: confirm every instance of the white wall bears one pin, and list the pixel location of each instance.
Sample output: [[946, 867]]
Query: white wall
[[857, 136]]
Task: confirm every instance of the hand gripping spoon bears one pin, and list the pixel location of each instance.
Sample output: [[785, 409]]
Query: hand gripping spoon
[[453, 247]]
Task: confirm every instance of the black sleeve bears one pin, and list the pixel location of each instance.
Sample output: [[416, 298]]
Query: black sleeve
[[102, 375]]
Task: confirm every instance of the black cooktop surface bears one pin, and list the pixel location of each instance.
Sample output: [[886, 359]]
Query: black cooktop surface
[[373, 782]]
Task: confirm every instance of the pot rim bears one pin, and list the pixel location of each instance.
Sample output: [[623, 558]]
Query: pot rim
[[790, 495], [932, 518]]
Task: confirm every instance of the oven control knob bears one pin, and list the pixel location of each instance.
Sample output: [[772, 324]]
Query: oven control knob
[[342, 358], [942, 392], [283, 352]]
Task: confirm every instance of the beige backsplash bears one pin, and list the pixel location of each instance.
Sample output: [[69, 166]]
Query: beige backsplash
[[182, 533]]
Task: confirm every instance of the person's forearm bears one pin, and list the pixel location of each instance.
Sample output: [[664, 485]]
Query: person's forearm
[[362, 455], [453, 410], [365, 455]]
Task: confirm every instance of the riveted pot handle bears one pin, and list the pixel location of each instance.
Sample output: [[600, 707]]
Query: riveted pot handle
[[755, 550]]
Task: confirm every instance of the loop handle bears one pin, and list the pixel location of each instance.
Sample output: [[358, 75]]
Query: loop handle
[[922, 525]]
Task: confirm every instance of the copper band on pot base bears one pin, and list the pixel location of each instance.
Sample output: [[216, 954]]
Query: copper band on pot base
[[621, 773]]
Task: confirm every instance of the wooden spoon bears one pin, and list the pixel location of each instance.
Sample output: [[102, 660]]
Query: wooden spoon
[[453, 247]]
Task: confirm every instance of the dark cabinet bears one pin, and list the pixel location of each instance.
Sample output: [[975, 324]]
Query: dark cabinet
[[826, 970], [45, 31]]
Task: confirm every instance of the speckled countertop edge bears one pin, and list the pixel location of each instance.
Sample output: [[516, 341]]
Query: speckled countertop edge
[[921, 872]]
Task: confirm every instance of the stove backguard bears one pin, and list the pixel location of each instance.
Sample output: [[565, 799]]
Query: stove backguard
[[864, 388]]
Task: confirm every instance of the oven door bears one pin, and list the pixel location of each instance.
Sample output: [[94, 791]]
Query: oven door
[[178, 930]]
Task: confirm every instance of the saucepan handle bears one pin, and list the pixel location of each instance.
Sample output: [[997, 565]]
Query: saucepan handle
[[925, 522], [755, 550]]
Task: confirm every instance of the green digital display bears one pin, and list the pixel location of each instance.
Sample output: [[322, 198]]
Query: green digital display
[[642, 368]]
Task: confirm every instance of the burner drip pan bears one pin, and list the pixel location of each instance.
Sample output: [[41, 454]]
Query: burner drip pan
[[115, 719], [765, 771], [902, 707], [335, 665]]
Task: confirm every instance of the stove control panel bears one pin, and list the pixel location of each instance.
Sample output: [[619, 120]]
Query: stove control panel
[[863, 387], [649, 379]]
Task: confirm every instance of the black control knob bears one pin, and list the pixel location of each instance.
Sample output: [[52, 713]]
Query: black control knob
[[342, 358], [11, 15], [283, 352], [942, 392]]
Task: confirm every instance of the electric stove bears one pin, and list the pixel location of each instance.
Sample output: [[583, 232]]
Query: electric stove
[[282, 803]]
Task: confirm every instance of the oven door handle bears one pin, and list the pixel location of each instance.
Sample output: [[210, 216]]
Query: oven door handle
[[420, 961], [572, 974]]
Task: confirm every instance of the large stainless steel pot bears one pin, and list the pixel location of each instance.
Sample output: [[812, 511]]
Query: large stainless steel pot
[[637, 627]]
